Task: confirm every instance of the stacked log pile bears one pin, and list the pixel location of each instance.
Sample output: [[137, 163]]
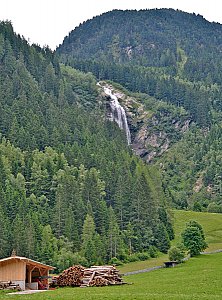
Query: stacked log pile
[[101, 276], [70, 277], [83, 277], [8, 285]]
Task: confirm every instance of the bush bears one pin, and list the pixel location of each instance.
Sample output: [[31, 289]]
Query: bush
[[133, 257], [153, 252], [197, 206], [214, 208], [176, 254], [115, 261], [138, 256], [67, 259], [143, 256]]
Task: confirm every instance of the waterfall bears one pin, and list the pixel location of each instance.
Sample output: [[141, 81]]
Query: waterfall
[[118, 114]]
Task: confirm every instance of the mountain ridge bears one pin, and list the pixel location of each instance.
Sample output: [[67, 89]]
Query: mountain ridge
[[147, 51], [156, 15], [170, 56]]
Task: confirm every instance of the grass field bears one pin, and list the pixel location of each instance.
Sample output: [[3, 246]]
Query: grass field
[[211, 223], [197, 279], [139, 265]]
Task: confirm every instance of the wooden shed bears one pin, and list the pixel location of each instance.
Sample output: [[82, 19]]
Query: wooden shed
[[28, 273]]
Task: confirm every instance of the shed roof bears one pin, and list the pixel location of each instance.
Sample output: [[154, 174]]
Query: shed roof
[[26, 260]]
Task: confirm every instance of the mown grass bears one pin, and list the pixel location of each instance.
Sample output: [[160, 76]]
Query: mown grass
[[139, 265], [212, 226], [211, 223], [197, 279]]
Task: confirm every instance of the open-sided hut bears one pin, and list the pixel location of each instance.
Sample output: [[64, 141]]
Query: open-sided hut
[[27, 273]]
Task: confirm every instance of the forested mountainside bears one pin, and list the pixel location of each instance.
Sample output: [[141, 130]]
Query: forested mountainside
[[188, 157], [69, 181], [71, 189], [173, 57]]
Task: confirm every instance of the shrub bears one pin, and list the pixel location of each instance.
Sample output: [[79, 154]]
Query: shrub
[[115, 261], [176, 254], [133, 257], [123, 257], [197, 206], [67, 259], [214, 208], [153, 252], [143, 256]]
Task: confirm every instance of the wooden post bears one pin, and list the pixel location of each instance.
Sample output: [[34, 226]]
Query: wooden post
[[30, 269]]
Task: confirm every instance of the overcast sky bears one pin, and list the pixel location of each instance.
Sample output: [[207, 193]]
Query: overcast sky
[[47, 22]]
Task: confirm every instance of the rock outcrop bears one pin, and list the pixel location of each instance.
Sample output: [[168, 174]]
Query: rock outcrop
[[152, 131]]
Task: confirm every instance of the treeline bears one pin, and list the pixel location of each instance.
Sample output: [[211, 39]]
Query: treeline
[[171, 55], [62, 214], [71, 190]]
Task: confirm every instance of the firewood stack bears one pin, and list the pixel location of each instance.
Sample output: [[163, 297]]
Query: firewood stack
[[8, 285], [101, 276], [83, 277], [70, 277]]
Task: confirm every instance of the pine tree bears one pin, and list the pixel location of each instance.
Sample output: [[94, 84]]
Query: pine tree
[[88, 234], [18, 233], [4, 235], [162, 240], [48, 245], [114, 238]]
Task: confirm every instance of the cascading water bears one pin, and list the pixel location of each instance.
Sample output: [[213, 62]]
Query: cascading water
[[118, 114]]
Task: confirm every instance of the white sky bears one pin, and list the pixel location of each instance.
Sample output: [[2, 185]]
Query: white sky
[[47, 22]]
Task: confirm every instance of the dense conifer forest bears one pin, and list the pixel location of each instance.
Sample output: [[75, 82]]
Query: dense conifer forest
[[171, 56], [69, 182], [71, 189]]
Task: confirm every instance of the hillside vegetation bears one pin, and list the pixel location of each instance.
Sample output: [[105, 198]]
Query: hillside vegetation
[[170, 56], [68, 181]]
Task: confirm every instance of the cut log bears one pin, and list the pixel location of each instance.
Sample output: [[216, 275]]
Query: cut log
[[102, 276], [70, 277], [8, 285], [94, 276]]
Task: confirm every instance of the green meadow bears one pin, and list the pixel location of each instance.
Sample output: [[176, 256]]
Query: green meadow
[[211, 223], [198, 278]]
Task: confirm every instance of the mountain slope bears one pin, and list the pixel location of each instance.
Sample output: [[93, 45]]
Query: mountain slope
[[68, 181], [154, 125], [174, 57], [187, 156], [142, 37]]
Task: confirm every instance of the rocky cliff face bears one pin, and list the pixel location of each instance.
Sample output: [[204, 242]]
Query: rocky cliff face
[[154, 130]]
